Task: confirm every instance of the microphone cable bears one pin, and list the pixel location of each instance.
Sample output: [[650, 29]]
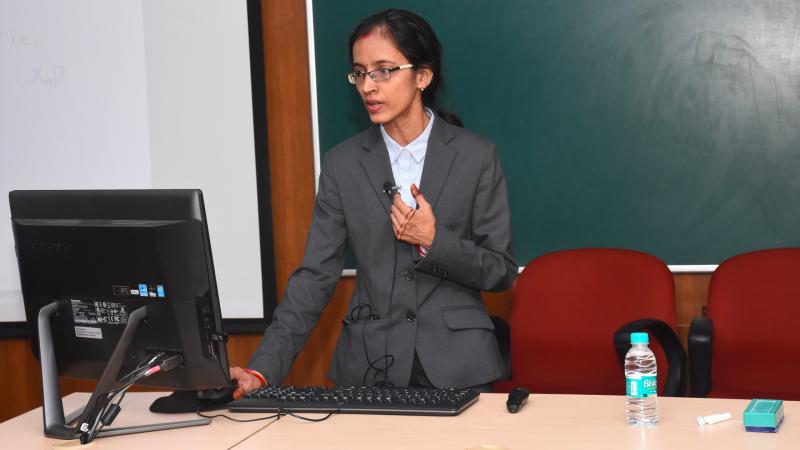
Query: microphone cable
[[381, 376]]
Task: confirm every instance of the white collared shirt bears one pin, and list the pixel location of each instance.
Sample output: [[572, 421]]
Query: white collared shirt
[[407, 162]]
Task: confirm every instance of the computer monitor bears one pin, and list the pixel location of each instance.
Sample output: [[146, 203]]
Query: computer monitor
[[93, 259]]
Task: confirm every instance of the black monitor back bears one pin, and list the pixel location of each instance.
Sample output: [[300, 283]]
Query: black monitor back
[[104, 254]]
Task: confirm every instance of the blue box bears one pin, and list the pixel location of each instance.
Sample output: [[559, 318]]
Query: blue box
[[764, 416]]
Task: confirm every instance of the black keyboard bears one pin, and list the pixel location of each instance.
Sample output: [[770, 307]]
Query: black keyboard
[[357, 400]]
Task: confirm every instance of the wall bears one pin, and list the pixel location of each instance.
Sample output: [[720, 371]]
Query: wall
[[292, 186], [667, 127]]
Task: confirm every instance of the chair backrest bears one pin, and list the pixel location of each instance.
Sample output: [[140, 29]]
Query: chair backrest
[[754, 308], [567, 307]]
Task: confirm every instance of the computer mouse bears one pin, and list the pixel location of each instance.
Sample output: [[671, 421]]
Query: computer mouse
[[516, 399]]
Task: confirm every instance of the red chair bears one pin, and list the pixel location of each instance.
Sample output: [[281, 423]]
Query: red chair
[[568, 307], [748, 344]]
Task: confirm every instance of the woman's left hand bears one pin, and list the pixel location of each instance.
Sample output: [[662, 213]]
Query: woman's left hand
[[415, 226]]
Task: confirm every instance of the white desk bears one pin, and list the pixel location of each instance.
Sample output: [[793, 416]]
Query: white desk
[[546, 422], [26, 431]]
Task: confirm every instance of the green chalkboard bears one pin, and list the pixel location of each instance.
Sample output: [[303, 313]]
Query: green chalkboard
[[670, 127]]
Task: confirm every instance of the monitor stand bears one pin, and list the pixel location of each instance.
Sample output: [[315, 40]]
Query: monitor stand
[[56, 424]]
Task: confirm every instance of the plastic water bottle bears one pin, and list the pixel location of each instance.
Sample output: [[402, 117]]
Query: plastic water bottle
[[640, 383]]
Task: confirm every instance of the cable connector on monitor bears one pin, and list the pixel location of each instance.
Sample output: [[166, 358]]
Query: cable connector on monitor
[[219, 337], [171, 362]]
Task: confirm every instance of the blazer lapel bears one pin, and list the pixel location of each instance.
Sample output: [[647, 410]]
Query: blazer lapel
[[438, 160], [375, 163]]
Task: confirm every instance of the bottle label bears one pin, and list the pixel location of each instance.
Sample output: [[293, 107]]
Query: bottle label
[[641, 386]]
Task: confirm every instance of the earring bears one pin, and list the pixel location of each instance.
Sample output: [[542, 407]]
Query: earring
[[422, 89]]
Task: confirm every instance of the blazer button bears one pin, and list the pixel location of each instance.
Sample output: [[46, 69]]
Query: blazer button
[[411, 317]]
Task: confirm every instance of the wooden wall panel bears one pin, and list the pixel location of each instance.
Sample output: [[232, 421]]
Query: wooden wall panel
[[691, 295], [289, 127], [20, 379]]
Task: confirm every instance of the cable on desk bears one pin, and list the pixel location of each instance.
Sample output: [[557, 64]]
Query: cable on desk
[[281, 413], [205, 416], [253, 433], [286, 412]]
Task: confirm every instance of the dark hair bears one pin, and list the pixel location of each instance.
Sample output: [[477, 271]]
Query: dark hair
[[415, 39]]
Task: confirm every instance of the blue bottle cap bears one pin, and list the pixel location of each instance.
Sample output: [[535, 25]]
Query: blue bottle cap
[[639, 338]]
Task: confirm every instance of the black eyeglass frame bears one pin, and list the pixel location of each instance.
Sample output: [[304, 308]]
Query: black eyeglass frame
[[354, 77]]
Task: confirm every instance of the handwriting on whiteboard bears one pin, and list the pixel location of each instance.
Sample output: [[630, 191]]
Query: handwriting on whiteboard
[[18, 39], [51, 75]]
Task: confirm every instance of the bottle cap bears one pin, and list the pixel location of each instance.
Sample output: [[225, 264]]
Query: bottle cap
[[639, 338]]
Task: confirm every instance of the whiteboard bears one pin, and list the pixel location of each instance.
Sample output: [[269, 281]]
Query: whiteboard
[[133, 94]]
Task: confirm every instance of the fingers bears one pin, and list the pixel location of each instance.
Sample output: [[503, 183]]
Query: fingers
[[396, 222], [238, 393], [405, 225], [236, 374], [400, 219], [408, 217], [245, 382], [400, 204], [417, 226], [421, 201], [396, 211]]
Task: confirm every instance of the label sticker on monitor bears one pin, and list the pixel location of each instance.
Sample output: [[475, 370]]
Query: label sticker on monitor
[[112, 313], [90, 312], [83, 312], [89, 332]]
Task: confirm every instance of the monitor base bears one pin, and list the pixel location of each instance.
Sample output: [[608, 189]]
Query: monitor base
[[189, 401], [59, 426]]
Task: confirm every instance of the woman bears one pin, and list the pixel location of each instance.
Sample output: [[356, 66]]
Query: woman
[[416, 315]]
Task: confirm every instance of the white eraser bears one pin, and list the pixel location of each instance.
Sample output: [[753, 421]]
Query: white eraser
[[713, 418]]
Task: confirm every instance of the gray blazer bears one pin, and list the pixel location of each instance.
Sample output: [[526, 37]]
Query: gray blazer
[[433, 304]]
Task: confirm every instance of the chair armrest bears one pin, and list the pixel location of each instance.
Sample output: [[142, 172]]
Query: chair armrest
[[676, 356], [503, 334], [700, 339]]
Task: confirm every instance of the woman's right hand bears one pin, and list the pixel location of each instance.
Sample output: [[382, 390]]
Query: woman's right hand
[[245, 382]]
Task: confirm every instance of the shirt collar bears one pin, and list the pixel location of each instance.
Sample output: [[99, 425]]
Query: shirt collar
[[417, 148]]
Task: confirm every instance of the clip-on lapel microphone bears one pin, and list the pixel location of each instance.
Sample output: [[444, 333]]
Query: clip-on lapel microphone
[[390, 190]]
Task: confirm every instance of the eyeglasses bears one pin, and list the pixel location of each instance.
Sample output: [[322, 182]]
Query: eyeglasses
[[384, 74]]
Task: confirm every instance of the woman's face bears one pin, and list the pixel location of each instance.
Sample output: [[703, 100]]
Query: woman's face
[[399, 96]]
